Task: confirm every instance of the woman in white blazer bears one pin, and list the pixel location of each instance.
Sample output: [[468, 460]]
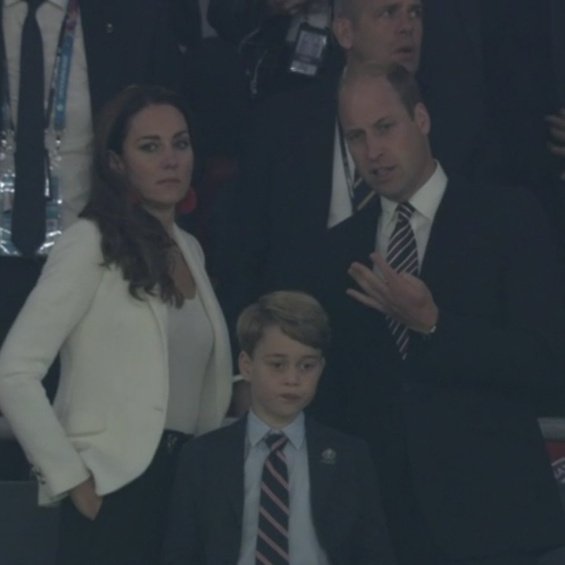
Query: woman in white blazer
[[145, 359]]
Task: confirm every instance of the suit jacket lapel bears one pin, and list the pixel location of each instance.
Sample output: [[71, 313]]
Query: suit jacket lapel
[[159, 311], [196, 266], [355, 238], [351, 240], [215, 393], [448, 236], [318, 153], [231, 470], [323, 462]]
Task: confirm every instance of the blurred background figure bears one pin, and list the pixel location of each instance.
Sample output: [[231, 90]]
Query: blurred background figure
[[282, 43]]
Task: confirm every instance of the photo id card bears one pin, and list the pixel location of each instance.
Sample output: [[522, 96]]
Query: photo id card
[[309, 50]]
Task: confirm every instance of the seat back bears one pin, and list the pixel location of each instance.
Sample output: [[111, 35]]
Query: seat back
[[28, 533]]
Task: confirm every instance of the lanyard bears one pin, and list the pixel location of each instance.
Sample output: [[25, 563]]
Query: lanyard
[[349, 175], [58, 92], [59, 86]]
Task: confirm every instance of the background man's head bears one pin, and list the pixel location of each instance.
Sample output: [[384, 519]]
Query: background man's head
[[386, 126], [382, 31]]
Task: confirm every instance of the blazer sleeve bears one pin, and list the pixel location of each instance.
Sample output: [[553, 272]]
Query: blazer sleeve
[[60, 299], [372, 542], [184, 541], [519, 348]]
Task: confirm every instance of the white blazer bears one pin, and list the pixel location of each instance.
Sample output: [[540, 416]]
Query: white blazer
[[109, 412]]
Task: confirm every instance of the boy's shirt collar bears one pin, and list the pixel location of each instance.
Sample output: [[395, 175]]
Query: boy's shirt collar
[[257, 430]]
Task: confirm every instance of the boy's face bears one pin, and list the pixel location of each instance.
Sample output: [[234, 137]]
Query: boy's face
[[283, 375]]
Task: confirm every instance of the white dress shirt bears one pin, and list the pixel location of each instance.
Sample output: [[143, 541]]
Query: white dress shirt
[[303, 543], [340, 200], [76, 146], [190, 340], [426, 202]]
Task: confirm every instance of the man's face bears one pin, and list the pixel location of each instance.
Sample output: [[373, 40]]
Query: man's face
[[390, 148], [383, 31]]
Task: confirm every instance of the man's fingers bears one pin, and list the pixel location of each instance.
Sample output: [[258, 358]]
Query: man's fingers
[[362, 274], [388, 273], [365, 299], [557, 150], [556, 126], [371, 283]]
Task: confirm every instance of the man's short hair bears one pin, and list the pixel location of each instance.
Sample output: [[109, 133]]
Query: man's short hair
[[346, 9], [403, 82], [297, 314]]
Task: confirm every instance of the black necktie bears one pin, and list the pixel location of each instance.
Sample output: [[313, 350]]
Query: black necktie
[[402, 256], [272, 533], [28, 217]]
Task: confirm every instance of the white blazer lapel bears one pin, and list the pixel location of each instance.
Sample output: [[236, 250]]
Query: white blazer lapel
[[159, 310], [217, 391]]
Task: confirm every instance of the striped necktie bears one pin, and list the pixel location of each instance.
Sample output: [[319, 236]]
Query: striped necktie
[[402, 256], [272, 533]]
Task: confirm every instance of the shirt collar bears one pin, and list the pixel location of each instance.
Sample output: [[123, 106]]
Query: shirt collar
[[426, 199], [257, 430]]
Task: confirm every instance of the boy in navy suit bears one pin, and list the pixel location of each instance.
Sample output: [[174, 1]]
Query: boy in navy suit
[[276, 487]]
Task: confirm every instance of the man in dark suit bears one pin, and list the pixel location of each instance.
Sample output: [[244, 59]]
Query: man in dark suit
[[297, 179], [115, 44], [445, 299], [127, 43], [328, 508]]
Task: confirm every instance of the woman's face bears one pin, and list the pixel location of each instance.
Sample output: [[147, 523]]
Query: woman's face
[[157, 157]]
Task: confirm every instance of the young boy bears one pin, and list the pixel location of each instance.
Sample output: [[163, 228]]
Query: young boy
[[276, 487]]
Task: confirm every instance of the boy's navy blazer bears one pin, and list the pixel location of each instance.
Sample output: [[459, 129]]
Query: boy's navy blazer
[[208, 499]]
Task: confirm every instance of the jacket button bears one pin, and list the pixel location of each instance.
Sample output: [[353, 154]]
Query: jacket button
[[109, 28]]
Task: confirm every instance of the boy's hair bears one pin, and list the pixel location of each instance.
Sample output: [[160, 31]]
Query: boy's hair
[[297, 314]]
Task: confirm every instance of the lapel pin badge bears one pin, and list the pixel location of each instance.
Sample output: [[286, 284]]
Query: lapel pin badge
[[329, 456]]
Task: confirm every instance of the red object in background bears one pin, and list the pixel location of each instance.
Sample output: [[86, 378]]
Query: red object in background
[[189, 203], [556, 450]]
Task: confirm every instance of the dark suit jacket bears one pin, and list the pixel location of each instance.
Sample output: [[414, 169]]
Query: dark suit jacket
[[127, 43], [455, 423], [208, 499]]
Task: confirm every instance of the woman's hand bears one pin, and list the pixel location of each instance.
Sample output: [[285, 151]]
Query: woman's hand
[[85, 499]]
